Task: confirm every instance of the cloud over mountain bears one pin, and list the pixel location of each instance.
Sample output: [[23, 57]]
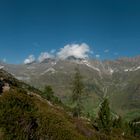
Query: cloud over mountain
[[79, 51], [44, 55], [30, 59], [76, 50]]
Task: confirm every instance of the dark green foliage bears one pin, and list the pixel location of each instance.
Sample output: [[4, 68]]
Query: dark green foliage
[[76, 110], [78, 88], [135, 126], [117, 122], [48, 92], [56, 127], [17, 113], [1, 86], [21, 119], [104, 116], [49, 95]]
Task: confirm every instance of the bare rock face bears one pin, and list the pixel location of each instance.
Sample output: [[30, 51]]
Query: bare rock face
[[6, 87]]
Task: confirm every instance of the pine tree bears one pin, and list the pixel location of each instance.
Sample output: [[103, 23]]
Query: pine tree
[[78, 88], [48, 92], [104, 116]]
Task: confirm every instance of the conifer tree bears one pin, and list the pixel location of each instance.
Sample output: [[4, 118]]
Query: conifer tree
[[78, 88], [104, 116], [48, 92]]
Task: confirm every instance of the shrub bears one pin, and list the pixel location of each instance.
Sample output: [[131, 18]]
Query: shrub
[[17, 116]]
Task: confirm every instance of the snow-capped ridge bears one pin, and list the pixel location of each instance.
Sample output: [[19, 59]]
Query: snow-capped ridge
[[132, 69], [52, 70], [111, 71], [87, 63], [1, 67]]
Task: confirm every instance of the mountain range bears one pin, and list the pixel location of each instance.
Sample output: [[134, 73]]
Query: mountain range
[[118, 79]]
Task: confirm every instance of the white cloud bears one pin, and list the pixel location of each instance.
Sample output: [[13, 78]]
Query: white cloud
[[76, 50], [30, 59], [97, 56], [106, 51], [44, 55]]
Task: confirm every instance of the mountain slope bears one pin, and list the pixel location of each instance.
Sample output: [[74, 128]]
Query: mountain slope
[[29, 116], [26, 115], [117, 79]]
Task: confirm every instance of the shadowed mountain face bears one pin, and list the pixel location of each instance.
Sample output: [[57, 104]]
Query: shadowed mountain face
[[118, 79]]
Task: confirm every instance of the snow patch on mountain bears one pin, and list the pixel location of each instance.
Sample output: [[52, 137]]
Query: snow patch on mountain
[[132, 69], [53, 63], [1, 67], [89, 65], [52, 70], [137, 68], [111, 71]]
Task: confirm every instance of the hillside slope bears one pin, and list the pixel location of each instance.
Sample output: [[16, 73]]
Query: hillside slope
[[117, 79], [25, 115]]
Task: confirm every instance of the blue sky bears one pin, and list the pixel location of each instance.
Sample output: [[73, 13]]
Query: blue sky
[[35, 26]]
